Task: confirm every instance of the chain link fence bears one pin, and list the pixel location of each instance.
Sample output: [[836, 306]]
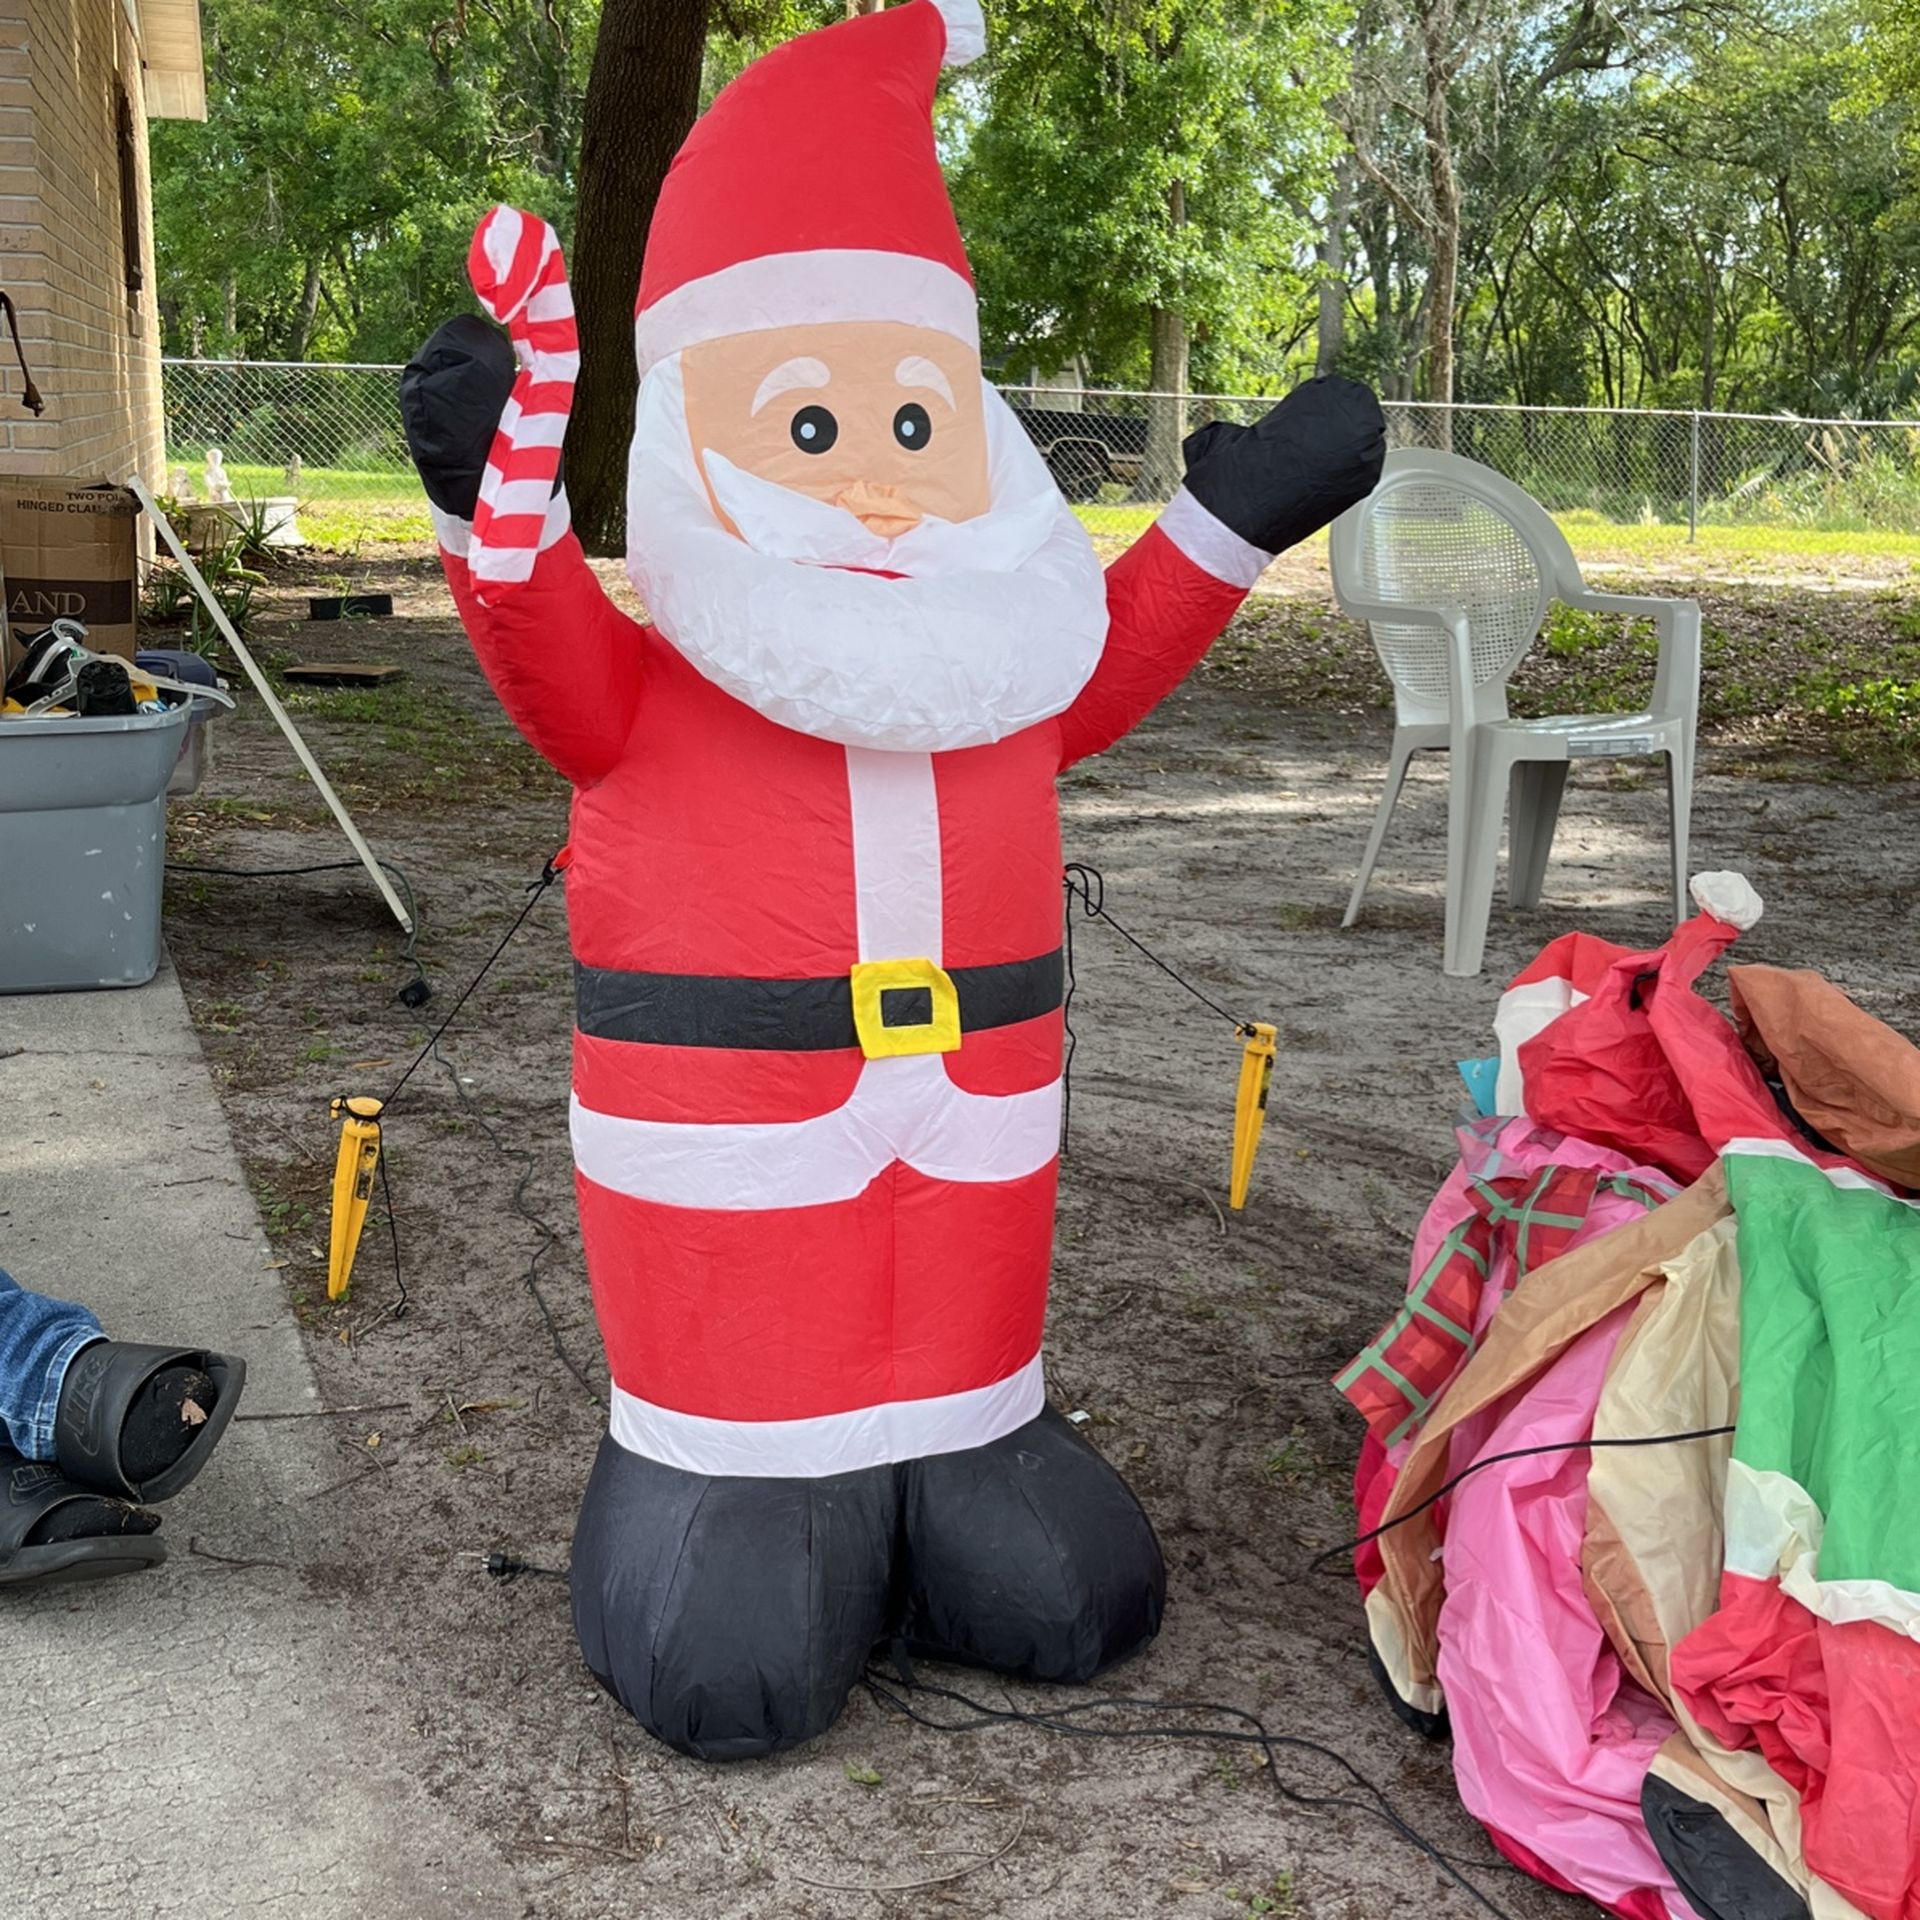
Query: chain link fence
[[329, 436]]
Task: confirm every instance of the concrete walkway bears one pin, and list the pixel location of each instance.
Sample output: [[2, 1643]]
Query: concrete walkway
[[191, 1741]]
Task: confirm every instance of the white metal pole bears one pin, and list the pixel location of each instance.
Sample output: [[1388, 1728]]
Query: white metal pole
[[281, 717]]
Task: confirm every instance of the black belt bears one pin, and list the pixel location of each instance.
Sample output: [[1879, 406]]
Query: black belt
[[790, 1016]]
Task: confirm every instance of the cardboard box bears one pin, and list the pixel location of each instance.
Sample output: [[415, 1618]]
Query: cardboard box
[[68, 548]]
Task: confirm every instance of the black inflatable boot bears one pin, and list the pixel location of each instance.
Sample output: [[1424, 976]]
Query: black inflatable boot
[[1030, 1556], [731, 1616]]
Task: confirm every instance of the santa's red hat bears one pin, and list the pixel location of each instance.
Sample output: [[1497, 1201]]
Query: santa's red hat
[[811, 191]]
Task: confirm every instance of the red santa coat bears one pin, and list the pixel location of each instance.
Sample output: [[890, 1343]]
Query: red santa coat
[[809, 1261]]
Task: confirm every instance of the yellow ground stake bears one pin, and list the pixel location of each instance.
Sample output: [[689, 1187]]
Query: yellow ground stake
[[1250, 1103], [353, 1175]]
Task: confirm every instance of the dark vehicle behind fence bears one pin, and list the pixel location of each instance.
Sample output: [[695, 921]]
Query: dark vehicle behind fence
[[1084, 451]]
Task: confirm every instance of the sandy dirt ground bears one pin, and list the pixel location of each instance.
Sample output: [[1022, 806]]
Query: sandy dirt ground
[[1198, 1342]]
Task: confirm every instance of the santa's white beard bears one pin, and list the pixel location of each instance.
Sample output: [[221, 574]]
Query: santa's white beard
[[997, 624]]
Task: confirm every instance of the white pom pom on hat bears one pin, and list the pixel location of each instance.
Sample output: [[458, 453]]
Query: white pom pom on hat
[[1727, 896], [966, 31]]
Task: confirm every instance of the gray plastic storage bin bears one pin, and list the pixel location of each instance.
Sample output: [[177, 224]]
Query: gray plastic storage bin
[[83, 827]]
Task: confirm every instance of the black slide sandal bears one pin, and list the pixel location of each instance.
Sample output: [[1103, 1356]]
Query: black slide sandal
[[29, 1491], [101, 1384]]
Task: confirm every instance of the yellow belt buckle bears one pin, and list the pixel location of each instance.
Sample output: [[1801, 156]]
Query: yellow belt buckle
[[904, 1007]]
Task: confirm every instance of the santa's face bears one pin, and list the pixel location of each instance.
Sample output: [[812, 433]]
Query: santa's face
[[882, 420], [846, 528]]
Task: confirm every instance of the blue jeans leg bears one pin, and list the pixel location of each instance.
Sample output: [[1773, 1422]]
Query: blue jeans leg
[[38, 1339]]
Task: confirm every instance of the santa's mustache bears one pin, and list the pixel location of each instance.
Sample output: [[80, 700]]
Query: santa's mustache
[[783, 524]]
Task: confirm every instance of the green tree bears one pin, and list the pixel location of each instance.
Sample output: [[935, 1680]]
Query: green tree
[[324, 206], [1135, 180]]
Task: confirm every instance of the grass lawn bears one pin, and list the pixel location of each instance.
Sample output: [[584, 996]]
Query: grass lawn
[[346, 509], [1741, 548], [341, 508], [1728, 550]]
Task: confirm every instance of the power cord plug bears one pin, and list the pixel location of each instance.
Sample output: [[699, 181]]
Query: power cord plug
[[509, 1566]]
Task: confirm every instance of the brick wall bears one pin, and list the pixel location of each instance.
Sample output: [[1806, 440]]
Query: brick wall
[[94, 347]]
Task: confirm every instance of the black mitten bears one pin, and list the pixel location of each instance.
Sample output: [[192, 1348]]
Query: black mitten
[[452, 395], [1304, 463]]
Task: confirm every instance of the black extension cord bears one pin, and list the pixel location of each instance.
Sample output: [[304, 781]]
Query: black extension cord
[[417, 991], [1360, 1540], [1251, 1730]]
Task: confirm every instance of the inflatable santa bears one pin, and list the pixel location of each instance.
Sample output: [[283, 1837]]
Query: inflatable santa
[[815, 891]]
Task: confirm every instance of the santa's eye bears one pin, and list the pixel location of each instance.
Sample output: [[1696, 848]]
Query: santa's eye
[[814, 429], [911, 427]]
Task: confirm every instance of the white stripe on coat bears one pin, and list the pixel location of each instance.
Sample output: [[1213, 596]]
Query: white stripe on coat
[[903, 1109], [896, 853], [832, 1442]]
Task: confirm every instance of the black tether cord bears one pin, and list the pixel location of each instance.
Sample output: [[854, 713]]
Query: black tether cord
[[1497, 1459], [536, 892], [549, 1236], [1088, 886], [1252, 1731], [393, 1225]]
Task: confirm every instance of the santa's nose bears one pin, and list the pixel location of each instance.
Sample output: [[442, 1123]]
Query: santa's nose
[[885, 511]]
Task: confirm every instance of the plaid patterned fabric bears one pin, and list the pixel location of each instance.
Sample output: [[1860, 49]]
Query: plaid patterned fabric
[[1516, 1225]]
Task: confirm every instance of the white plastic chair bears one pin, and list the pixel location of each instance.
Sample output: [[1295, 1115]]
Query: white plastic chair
[[1453, 569]]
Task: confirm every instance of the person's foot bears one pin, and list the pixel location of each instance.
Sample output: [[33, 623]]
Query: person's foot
[[53, 1531], [139, 1422], [160, 1425], [167, 1413], [92, 1519]]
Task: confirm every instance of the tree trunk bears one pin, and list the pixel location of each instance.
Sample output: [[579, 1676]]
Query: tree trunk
[[1443, 236], [1709, 341], [642, 96], [1166, 405], [1167, 408], [1705, 434], [304, 316], [1331, 338]]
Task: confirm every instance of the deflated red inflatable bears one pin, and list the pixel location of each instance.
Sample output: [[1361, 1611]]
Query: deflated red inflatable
[[815, 897]]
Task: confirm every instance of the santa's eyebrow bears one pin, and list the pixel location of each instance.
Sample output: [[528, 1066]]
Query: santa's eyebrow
[[916, 370], [799, 372]]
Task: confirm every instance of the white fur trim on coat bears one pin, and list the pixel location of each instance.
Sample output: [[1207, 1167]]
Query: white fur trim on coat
[[966, 31], [777, 290]]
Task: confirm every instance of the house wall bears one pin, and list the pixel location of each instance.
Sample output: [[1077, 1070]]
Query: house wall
[[93, 346]]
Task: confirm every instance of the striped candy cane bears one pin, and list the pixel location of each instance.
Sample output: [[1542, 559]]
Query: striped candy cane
[[517, 270]]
